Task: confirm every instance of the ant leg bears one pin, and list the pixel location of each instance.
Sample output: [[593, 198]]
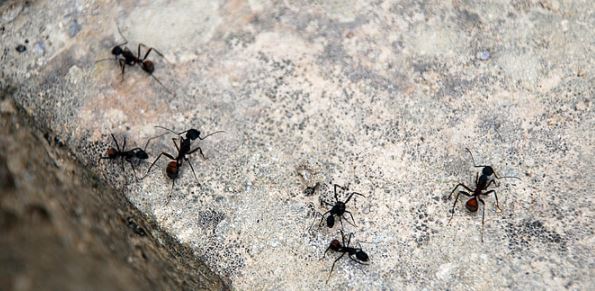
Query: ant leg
[[455, 204], [324, 255], [483, 216], [497, 204], [325, 203], [343, 238], [333, 267], [322, 218], [492, 181], [158, 157], [148, 51], [192, 168], [353, 193], [357, 261], [340, 187], [116, 142], [124, 145], [351, 218], [348, 240], [138, 55], [460, 184], [133, 169], [166, 89], [122, 164], [199, 151], [175, 144], [122, 65]]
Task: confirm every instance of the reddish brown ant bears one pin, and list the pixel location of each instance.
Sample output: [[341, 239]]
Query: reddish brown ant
[[360, 256], [125, 57], [173, 167], [125, 155], [482, 182]]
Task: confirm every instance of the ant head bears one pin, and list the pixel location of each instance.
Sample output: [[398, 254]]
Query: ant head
[[141, 155], [330, 221], [360, 255], [148, 67], [192, 134], [112, 152], [472, 204], [487, 170], [117, 50], [172, 169], [335, 245]]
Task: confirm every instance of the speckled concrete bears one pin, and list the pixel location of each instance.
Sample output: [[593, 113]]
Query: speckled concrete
[[382, 96]]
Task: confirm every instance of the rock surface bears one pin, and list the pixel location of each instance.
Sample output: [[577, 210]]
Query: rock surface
[[63, 229], [380, 96]]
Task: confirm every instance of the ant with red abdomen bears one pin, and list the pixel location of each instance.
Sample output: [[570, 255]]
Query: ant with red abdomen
[[125, 155], [482, 182], [173, 167], [360, 256], [125, 57]]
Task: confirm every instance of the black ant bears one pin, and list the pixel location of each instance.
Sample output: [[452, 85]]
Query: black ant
[[184, 150], [125, 155], [360, 256], [125, 56], [338, 209], [482, 182]]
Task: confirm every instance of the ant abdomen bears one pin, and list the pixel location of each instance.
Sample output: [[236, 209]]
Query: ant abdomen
[[472, 205], [335, 245], [330, 221], [172, 169], [112, 153], [148, 67]]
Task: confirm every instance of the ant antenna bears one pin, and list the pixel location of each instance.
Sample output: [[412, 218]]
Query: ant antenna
[[496, 129], [121, 34], [182, 132], [481, 166], [178, 133], [106, 59], [152, 138], [508, 177], [210, 134], [473, 160]]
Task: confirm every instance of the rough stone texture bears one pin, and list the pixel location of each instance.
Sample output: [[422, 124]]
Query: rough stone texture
[[63, 229], [382, 96]]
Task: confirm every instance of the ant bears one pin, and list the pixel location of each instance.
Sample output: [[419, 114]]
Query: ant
[[125, 56], [360, 256], [184, 150], [482, 182], [125, 155], [337, 209]]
